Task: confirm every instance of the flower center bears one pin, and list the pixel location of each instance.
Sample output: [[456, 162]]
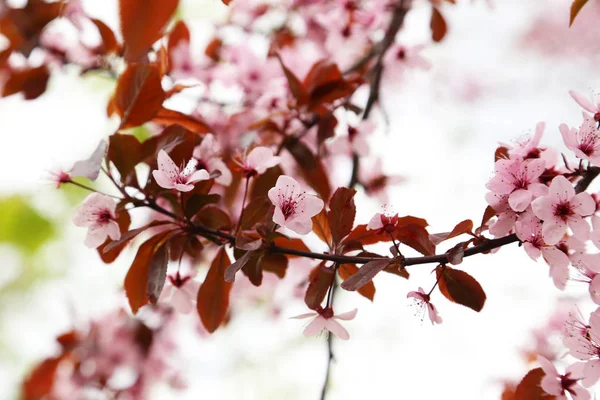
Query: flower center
[[401, 54], [563, 210], [588, 144], [289, 203], [104, 216], [178, 281]]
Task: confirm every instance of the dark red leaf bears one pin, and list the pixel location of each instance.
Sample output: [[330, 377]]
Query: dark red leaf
[[456, 254], [213, 296], [125, 152], [109, 40], [321, 227], [255, 212], [232, 269], [530, 387], [576, 6], [465, 226], [213, 217], [136, 281], [416, 237], [195, 202], [287, 243], [326, 128], [127, 236], [142, 24], [460, 287], [168, 117], [365, 274], [31, 82], [157, 273], [438, 25], [139, 94], [180, 34], [265, 181], [342, 213], [501, 153], [311, 168], [296, 87], [347, 270], [321, 278], [38, 385], [274, 263]]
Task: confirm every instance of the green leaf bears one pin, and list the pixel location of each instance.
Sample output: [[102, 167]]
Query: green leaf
[[23, 226]]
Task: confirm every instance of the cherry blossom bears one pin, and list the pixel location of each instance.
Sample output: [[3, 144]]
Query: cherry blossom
[[585, 141], [519, 180], [97, 213], [208, 155], [88, 168], [325, 319], [562, 208], [180, 292], [354, 142], [423, 300], [506, 216], [169, 176], [591, 105], [293, 207], [400, 57], [584, 344], [558, 385], [528, 147], [257, 161], [383, 222], [529, 231]]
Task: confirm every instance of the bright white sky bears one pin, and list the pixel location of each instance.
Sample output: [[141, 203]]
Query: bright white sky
[[441, 143]]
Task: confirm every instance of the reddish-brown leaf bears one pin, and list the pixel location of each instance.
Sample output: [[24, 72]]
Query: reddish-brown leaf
[[232, 269], [213, 217], [157, 273], [167, 117], [125, 152], [142, 24], [265, 181], [576, 6], [321, 278], [110, 250], [38, 385], [416, 236], [465, 226], [127, 236], [365, 274], [460, 287], [488, 214], [109, 40], [438, 25], [255, 211], [456, 254], [180, 34], [311, 168], [213, 49], [501, 153], [326, 128], [296, 87], [347, 270], [287, 243], [136, 281], [530, 387], [31, 82], [321, 227], [139, 94], [365, 236], [213, 296], [342, 213], [275, 263]]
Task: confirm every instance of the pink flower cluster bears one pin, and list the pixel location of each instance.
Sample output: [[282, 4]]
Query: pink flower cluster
[[118, 355], [535, 198]]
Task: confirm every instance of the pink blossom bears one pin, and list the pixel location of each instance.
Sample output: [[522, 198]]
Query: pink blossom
[[506, 216], [258, 161], [528, 147], [585, 141], [562, 208], [400, 57], [558, 385], [169, 176], [591, 105], [293, 207], [180, 292], [354, 142], [88, 168], [383, 222], [325, 319], [519, 180], [595, 234], [590, 277], [208, 155], [423, 300], [585, 345], [529, 231], [97, 213]]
